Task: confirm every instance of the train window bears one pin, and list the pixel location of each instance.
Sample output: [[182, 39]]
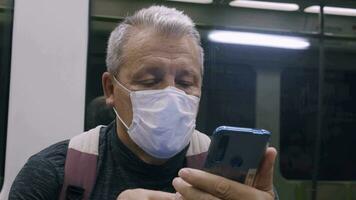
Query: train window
[[229, 87], [258, 85], [6, 11], [299, 110]]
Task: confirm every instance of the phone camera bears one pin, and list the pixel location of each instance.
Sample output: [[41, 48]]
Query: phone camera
[[236, 161]]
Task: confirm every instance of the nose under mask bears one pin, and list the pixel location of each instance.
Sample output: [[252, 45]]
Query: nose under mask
[[163, 120]]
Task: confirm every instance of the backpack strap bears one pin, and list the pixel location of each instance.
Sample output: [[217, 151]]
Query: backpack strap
[[198, 150], [82, 155], [80, 165]]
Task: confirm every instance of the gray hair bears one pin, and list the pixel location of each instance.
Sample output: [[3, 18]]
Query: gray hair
[[168, 21]]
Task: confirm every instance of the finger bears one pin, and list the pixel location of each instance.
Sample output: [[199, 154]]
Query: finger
[[158, 195], [188, 192], [144, 194], [216, 185], [179, 196], [264, 177]]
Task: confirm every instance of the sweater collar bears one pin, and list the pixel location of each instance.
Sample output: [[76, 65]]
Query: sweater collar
[[126, 158]]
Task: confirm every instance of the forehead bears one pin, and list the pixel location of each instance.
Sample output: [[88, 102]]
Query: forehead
[[149, 46]]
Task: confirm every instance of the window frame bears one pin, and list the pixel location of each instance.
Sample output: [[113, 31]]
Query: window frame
[[5, 72]]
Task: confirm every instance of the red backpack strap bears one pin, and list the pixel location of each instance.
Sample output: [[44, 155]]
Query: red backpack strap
[[198, 150], [80, 165]]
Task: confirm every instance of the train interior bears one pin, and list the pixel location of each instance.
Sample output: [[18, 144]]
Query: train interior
[[305, 96]]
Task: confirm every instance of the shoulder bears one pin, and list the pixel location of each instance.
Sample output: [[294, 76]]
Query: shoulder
[[55, 153], [42, 174], [53, 156]]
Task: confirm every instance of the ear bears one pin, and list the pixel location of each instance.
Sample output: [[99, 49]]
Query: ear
[[108, 88]]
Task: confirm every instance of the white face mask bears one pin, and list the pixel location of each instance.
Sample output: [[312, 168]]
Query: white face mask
[[163, 120]]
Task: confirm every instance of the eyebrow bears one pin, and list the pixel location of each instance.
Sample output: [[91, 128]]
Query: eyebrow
[[186, 71]]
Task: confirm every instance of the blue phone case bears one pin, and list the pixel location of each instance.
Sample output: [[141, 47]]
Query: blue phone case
[[236, 153]]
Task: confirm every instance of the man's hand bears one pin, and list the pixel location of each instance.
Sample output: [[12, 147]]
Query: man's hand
[[142, 194], [198, 185]]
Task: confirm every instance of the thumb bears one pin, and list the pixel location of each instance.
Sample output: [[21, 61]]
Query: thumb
[[264, 178]]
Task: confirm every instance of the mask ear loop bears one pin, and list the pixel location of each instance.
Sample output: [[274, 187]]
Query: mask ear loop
[[117, 114], [122, 121], [117, 82]]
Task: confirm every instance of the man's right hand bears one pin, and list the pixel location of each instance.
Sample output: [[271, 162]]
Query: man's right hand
[[143, 194]]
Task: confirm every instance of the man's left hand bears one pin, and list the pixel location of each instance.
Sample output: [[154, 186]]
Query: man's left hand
[[195, 184]]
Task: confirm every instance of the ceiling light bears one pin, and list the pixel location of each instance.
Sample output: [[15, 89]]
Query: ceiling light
[[265, 5], [258, 39], [195, 1], [332, 10]]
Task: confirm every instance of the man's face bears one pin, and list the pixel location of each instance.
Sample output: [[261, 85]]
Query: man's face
[[153, 61]]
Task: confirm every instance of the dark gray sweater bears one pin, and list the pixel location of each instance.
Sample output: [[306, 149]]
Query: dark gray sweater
[[118, 169]]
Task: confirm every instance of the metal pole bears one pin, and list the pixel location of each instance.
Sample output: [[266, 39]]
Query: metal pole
[[315, 175]]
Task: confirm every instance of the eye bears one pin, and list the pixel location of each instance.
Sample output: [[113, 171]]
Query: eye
[[185, 84], [149, 82]]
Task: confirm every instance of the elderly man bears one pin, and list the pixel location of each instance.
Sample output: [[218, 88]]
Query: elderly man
[[153, 83]]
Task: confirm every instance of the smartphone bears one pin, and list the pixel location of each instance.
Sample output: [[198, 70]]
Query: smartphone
[[236, 153]]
